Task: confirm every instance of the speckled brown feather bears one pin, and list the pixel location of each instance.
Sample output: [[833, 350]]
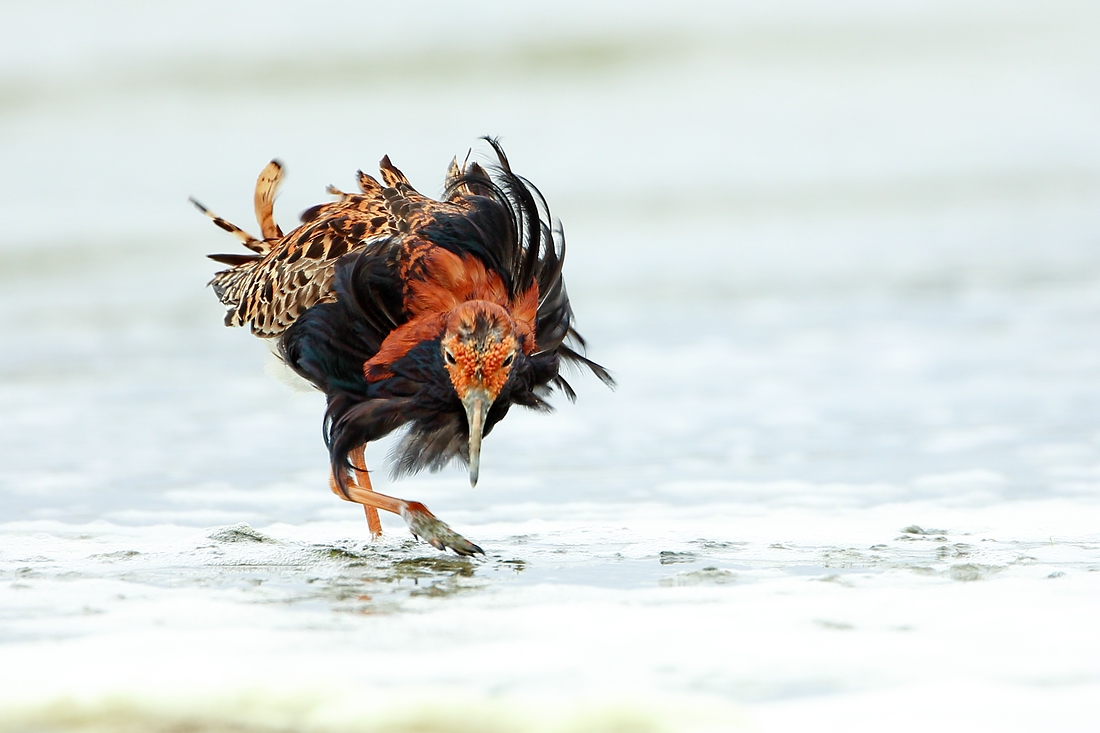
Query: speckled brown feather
[[296, 270]]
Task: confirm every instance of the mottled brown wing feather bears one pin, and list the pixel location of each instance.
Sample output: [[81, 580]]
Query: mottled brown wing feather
[[296, 269]]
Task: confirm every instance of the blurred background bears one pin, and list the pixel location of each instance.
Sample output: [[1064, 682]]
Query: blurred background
[[840, 256], [745, 188]]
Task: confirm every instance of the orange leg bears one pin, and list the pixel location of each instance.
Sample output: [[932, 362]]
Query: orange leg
[[362, 478], [421, 522]]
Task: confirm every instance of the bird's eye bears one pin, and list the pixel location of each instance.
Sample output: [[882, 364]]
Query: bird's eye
[[509, 359], [448, 357]]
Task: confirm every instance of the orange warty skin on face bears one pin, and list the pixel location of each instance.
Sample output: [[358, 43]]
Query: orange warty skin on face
[[479, 362]]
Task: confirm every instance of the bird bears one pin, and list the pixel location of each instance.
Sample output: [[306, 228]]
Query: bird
[[431, 317]]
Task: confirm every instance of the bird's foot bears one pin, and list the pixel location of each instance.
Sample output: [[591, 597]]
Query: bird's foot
[[435, 532]]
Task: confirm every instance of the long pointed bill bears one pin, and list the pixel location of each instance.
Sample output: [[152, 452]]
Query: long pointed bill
[[476, 402]]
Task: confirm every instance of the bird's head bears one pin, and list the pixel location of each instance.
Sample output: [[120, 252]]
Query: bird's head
[[480, 345]]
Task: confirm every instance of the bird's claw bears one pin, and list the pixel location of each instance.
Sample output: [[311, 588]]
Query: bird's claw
[[435, 532]]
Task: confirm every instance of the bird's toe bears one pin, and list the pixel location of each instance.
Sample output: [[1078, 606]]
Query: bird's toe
[[435, 532]]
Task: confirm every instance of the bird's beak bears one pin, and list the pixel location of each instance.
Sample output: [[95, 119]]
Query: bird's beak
[[476, 402]]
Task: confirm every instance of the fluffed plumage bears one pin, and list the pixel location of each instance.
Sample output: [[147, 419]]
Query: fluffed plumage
[[407, 312]]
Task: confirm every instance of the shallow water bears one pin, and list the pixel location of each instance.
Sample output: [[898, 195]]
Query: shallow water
[[843, 263]]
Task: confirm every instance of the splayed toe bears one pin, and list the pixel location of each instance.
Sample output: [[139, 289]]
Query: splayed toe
[[435, 532]]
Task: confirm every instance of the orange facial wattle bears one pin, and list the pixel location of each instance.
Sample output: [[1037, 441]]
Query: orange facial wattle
[[481, 340], [478, 367]]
